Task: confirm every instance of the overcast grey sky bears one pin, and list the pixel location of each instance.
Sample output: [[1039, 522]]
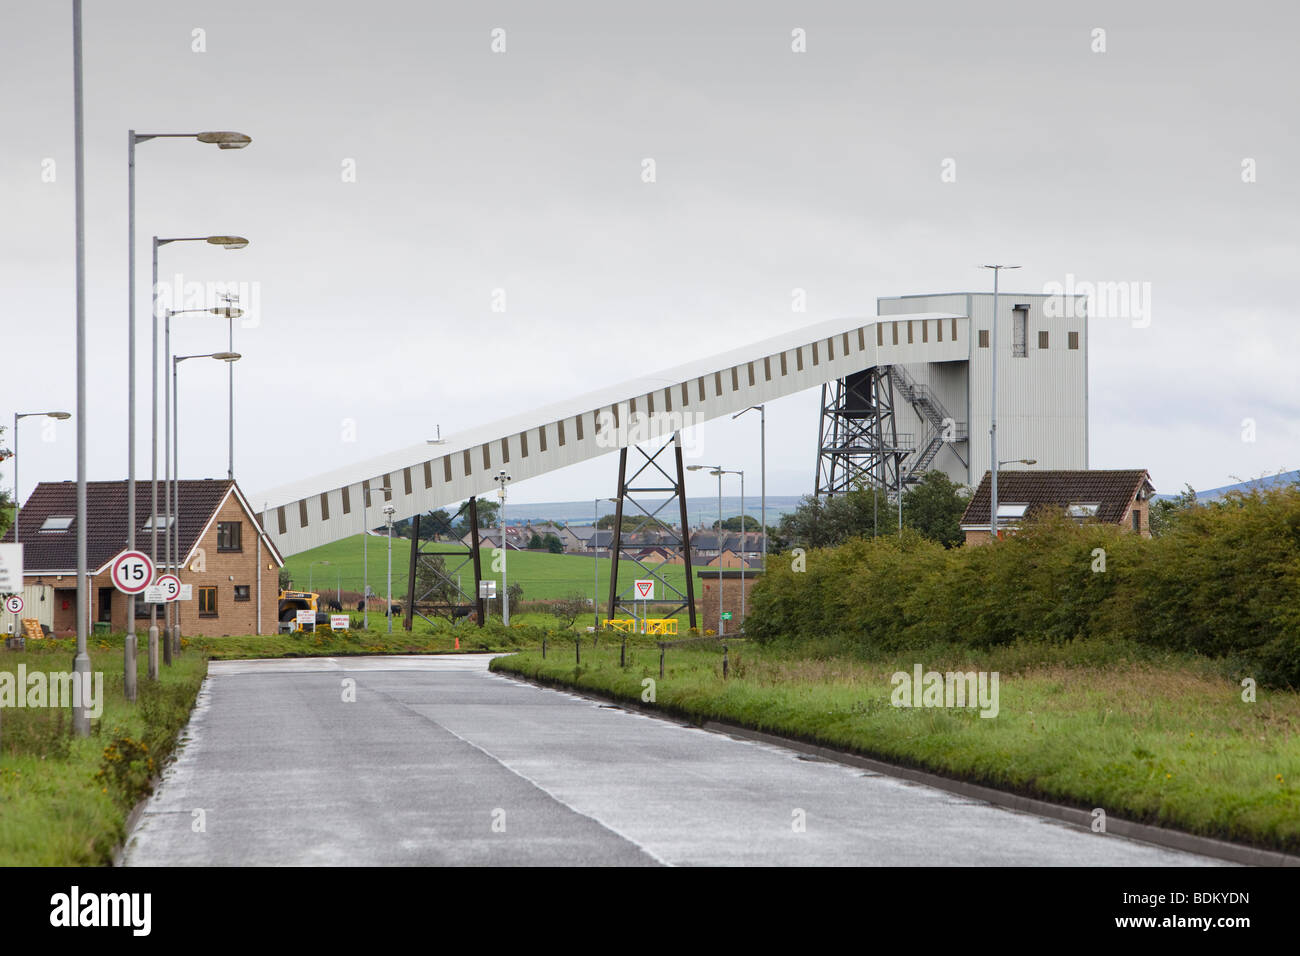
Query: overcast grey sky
[[521, 171]]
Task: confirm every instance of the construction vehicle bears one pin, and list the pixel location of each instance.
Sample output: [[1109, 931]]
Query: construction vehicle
[[291, 602]]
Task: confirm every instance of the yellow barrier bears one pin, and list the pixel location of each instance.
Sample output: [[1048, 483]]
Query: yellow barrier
[[650, 625]]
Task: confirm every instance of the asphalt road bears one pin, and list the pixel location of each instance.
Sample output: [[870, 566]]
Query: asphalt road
[[438, 761]]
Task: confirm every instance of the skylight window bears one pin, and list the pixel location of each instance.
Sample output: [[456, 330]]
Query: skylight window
[[1012, 511], [57, 523], [161, 522], [1083, 509]]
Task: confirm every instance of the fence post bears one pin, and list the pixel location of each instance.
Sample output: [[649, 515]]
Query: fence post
[[724, 661], [622, 654], [577, 650], [661, 662], [543, 648]]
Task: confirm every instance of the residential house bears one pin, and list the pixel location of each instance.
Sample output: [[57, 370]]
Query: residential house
[[1120, 497], [231, 567]]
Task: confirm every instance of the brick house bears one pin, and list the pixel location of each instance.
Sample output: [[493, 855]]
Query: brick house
[[232, 568], [731, 583], [1121, 497]]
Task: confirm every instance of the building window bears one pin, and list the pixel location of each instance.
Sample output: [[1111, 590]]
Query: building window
[[228, 536], [1137, 520], [1074, 340], [1020, 331], [241, 592], [207, 602], [984, 338], [57, 523], [1042, 338]]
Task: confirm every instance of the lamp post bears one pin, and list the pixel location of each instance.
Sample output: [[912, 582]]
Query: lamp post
[[389, 511], [222, 140], [224, 242], [762, 456], [365, 554], [993, 411], [171, 515], [743, 546], [502, 479], [175, 640], [595, 560], [81, 662], [716, 470], [18, 501]]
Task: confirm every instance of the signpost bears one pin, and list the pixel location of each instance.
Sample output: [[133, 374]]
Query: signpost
[[170, 585], [154, 594], [187, 593], [645, 593], [306, 617], [339, 622], [11, 568], [726, 615], [487, 589], [132, 571], [14, 604]]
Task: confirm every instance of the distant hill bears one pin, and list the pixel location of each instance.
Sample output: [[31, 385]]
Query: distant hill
[[1268, 481]]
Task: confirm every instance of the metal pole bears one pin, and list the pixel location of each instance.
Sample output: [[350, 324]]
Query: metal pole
[[719, 550], [230, 369], [993, 420], [505, 581], [153, 468], [595, 565], [389, 610], [365, 559], [18, 510], [129, 644], [168, 610], [80, 663], [744, 547], [176, 496], [762, 454]]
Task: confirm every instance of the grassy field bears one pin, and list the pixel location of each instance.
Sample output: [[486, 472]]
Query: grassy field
[[544, 576], [64, 800], [1154, 738]]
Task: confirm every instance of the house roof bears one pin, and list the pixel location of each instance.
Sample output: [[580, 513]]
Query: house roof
[[1111, 491], [55, 552]]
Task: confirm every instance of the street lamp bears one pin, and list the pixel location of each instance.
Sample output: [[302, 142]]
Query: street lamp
[[716, 470], [595, 560], [743, 544], [993, 411], [389, 511], [365, 552], [224, 242], [502, 479], [1018, 461], [762, 455], [175, 642], [222, 140], [18, 501]]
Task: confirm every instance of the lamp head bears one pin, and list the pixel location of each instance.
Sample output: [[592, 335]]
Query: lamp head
[[225, 139]]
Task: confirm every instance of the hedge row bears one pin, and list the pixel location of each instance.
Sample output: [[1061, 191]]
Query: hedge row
[[1223, 581]]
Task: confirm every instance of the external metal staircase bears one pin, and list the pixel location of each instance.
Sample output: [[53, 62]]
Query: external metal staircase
[[943, 428]]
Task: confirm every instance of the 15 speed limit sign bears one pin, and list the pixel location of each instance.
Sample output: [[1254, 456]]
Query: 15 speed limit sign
[[132, 572], [171, 587], [14, 604]]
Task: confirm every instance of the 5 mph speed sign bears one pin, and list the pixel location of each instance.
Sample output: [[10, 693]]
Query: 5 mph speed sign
[[132, 572]]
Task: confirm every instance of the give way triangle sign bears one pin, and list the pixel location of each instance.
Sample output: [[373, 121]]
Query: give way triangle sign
[[645, 590]]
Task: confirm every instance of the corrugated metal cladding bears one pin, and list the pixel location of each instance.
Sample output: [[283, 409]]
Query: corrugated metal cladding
[[552, 443], [1042, 396]]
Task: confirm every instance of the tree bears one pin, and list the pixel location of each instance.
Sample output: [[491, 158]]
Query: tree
[[487, 517], [431, 584], [568, 609], [749, 523], [630, 522], [553, 544], [822, 523], [436, 523], [934, 508], [1166, 512], [286, 581], [535, 542]]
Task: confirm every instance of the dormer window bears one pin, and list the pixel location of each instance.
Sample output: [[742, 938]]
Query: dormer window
[[57, 523]]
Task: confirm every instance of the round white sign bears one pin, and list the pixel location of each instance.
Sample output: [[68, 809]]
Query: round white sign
[[14, 604], [132, 572], [171, 586]]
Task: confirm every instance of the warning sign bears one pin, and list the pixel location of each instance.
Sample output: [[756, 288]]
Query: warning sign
[[645, 590]]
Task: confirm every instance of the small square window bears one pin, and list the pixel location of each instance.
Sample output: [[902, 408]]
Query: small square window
[[241, 592], [984, 338], [229, 536]]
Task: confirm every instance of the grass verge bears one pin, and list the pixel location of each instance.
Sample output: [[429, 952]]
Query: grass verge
[[65, 800], [1147, 736]]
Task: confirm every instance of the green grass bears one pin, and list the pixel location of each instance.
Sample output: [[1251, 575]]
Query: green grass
[[64, 800], [544, 576], [1155, 738]]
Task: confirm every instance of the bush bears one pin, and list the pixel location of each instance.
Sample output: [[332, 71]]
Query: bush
[[1222, 581]]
